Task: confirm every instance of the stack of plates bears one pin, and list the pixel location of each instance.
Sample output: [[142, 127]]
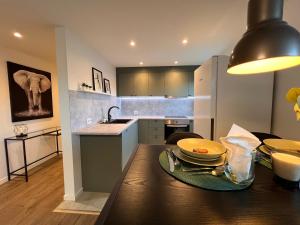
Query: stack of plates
[[200, 152], [280, 145]]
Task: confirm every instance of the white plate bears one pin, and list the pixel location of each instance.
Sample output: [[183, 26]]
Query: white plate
[[183, 157]]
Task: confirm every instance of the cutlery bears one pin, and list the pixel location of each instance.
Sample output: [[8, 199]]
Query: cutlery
[[218, 171], [196, 169], [171, 162], [177, 162]]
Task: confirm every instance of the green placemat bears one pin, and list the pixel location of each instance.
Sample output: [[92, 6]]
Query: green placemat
[[204, 181]]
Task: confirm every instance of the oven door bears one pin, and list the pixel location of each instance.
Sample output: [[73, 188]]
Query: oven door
[[175, 128]]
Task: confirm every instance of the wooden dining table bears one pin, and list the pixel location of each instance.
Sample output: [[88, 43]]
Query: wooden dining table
[[147, 195]]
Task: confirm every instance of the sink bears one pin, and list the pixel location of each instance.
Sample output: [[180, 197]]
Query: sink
[[118, 121]]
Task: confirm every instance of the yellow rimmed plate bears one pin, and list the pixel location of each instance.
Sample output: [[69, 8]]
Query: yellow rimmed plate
[[283, 144], [214, 149], [265, 149]]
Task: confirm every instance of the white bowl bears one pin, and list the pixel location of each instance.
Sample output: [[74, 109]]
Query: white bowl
[[286, 166]]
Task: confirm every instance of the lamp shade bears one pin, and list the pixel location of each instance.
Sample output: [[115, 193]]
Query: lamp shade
[[269, 44]]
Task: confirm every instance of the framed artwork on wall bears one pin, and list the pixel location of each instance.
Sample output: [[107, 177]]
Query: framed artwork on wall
[[107, 86], [97, 80], [30, 93]]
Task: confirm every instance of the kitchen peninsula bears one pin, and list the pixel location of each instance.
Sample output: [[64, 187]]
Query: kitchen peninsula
[[106, 148]]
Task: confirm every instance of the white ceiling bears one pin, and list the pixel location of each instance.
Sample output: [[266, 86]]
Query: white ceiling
[[158, 27]]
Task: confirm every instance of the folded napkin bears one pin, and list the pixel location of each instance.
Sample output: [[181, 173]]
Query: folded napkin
[[240, 144]]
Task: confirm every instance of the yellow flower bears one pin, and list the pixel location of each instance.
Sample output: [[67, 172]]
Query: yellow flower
[[293, 94], [297, 111]]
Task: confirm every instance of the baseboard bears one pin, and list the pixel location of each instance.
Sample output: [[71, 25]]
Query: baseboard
[[3, 180], [73, 197], [69, 197], [78, 193]]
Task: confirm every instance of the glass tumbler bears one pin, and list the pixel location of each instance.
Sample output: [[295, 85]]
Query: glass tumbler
[[239, 168]]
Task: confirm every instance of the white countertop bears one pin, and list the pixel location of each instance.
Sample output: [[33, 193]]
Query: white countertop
[[104, 129], [117, 129]]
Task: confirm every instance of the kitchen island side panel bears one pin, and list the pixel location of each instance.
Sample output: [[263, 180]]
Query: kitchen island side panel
[[101, 159]]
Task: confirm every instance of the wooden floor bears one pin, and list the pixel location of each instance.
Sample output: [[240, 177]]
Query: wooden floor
[[32, 203]]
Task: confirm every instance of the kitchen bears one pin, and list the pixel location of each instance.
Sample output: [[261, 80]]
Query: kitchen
[[118, 104]]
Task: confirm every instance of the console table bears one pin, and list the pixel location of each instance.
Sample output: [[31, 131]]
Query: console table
[[53, 131]]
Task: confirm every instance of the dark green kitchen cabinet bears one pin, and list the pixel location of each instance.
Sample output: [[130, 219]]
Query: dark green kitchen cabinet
[[156, 85], [140, 78], [151, 132], [143, 131], [125, 84], [175, 81], [191, 84]]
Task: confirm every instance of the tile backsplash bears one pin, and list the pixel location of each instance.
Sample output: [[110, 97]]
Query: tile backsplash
[[150, 106], [90, 106]]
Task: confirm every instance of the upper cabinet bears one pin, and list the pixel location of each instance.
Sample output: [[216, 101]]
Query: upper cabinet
[[125, 83], [156, 85], [141, 81], [177, 81]]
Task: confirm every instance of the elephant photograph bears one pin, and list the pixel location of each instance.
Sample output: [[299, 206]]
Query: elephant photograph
[[30, 93]]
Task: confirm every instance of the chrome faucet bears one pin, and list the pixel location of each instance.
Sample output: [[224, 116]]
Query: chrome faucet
[[108, 113]]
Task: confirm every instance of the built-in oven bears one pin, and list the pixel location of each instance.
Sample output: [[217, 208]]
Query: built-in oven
[[176, 124]]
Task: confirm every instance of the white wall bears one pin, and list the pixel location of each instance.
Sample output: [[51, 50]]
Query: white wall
[[36, 147], [74, 63], [81, 59], [284, 123]]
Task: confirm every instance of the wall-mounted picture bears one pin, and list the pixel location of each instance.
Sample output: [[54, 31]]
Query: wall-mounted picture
[[30, 92], [97, 80], [107, 86]]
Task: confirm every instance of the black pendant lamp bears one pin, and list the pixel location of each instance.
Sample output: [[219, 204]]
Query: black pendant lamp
[[269, 44]]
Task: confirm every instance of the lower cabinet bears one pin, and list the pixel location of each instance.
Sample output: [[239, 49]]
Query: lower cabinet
[[151, 132], [129, 142], [104, 157]]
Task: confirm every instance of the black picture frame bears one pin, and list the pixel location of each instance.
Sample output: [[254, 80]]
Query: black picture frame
[[30, 92], [107, 86], [96, 80]]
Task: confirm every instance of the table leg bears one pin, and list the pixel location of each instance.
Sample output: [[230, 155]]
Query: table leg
[[25, 161], [7, 159]]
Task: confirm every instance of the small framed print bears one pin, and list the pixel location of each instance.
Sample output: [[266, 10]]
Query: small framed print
[[107, 86], [97, 80]]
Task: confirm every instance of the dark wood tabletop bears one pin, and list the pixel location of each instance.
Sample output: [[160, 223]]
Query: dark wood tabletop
[[147, 195]]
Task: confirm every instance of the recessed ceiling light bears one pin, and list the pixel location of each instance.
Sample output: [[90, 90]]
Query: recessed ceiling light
[[175, 62], [132, 43], [141, 63], [18, 35], [185, 41]]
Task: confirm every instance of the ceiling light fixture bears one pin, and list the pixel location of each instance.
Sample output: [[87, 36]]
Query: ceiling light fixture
[[141, 63], [269, 43], [185, 41], [132, 43], [18, 35], [176, 62]]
